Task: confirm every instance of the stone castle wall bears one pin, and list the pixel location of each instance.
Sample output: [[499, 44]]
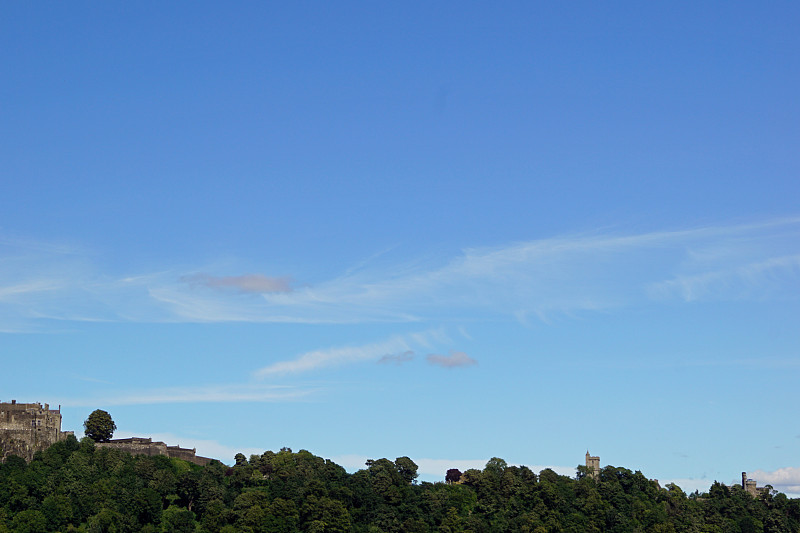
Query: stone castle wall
[[146, 446], [26, 428]]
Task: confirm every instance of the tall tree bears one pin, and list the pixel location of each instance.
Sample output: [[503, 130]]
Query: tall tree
[[406, 468], [99, 426]]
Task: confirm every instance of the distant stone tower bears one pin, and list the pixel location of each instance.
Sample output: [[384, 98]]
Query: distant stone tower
[[749, 485], [593, 465]]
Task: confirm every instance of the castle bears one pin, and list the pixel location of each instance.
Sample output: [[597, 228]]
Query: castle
[[749, 485], [593, 465], [27, 428]]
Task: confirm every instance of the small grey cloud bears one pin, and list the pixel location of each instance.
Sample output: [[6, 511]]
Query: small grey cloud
[[397, 358], [454, 360], [249, 283]]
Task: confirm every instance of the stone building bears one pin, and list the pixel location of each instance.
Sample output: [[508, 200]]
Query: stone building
[[146, 446], [26, 428], [749, 485], [593, 465]]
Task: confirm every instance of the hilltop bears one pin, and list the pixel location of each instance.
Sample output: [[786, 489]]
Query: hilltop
[[78, 486]]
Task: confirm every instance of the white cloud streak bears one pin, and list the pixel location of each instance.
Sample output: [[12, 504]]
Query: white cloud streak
[[202, 394], [756, 280], [538, 278], [541, 278], [317, 359]]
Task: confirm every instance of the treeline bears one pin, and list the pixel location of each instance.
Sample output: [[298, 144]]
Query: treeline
[[75, 486]]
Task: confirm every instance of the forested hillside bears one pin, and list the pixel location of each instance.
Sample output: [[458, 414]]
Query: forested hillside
[[74, 486]]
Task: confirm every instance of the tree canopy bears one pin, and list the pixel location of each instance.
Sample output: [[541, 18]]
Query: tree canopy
[[99, 426], [77, 486]]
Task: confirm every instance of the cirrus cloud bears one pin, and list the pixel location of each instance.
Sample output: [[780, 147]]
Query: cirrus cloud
[[542, 278], [398, 344]]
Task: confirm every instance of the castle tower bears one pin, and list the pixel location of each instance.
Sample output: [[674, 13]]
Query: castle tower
[[749, 485], [26, 428], [593, 465]]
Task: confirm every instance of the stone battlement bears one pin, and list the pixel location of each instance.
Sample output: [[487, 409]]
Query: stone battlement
[[146, 446], [26, 428]]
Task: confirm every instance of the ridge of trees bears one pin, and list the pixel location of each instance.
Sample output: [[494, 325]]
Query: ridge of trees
[[75, 486]]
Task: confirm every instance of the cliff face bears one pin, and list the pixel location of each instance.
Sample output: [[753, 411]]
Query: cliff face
[[26, 428]]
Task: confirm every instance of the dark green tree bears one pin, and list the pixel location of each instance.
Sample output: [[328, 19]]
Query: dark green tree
[[99, 426], [406, 468]]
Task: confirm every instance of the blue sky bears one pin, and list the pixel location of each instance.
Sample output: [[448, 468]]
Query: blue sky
[[445, 230]]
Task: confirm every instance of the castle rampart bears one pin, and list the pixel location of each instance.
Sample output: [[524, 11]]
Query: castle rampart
[[146, 446], [26, 428]]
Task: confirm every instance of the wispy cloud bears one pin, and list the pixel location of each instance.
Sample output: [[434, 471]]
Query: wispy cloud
[[201, 394], [317, 359], [753, 281], [454, 360], [397, 358], [26, 288], [546, 277], [248, 283], [543, 278]]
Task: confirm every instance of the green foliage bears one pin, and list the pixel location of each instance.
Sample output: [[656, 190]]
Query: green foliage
[[77, 487], [99, 426], [29, 521], [406, 468]]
